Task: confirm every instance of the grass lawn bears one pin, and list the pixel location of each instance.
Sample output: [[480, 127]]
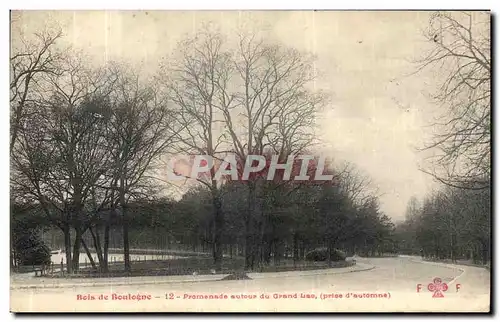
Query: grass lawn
[[202, 265]]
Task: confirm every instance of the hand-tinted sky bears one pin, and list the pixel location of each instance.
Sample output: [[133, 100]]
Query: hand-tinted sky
[[376, 114]]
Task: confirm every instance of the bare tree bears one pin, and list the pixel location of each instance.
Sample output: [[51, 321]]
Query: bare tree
[[61, 153], [197, 80], [29, 61], [140, 134], [355, 184], [102, 209], [272, 109], [460, 59], [248, 100]]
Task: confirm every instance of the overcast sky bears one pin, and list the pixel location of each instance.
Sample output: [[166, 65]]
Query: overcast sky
[[376, 114]]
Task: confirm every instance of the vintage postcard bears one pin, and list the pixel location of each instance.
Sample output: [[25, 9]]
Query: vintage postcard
[[250, 161]]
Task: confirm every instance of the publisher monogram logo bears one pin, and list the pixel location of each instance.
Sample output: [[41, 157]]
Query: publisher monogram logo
[[438, 287]]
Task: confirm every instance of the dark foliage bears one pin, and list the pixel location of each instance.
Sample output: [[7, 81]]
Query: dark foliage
[[321, 254]]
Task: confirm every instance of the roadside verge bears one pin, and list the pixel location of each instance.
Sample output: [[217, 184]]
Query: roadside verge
[[41, 283], [450, 266]]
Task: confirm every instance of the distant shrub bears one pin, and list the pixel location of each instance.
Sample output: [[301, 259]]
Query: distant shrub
[[321, 254], [30, 249]]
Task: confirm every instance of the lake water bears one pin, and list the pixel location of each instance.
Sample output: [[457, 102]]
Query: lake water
[[56, 259]]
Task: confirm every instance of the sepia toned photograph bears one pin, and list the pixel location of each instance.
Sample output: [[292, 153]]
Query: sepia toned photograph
[[250, 161]]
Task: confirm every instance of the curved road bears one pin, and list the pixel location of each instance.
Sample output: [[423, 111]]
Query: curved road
[[391, 286]]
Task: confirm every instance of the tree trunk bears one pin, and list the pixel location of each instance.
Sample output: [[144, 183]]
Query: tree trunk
[[329, 253], [249, 233], [218, 229], [13, 259], [126, 242], [76, 249], [261, 237], [484, 252], [267, 249], [302, 250], [123, 206], [125, 224], [67, 247], [295, 247], [279, 250], [19, 111], [89, 254], [97, 246], [453, 248], [106, 246]]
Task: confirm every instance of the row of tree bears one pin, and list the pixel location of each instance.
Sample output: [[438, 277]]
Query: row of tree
[[450, 224], [82, 141], [290, 221], [454, 222], [88, 145]]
